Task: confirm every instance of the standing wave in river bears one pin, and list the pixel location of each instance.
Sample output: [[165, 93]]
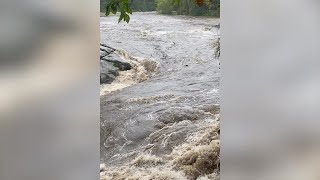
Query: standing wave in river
[[141, 70]]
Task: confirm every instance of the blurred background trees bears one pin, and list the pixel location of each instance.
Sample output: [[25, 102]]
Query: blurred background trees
[[189, 7], [179, 7]]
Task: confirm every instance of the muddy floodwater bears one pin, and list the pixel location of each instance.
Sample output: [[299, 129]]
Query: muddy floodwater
[[160, 120]]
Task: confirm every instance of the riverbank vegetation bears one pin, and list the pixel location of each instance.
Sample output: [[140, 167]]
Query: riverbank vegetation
[[179, 7], [189, 7]]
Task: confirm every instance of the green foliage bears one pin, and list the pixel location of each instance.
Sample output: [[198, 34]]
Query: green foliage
[[214, 8], [136, 5], [189, 7], [165, 6], [119, 5], [182, 7], [195, 10]]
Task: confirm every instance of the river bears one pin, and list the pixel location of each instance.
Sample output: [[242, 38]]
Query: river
[[160, 120]]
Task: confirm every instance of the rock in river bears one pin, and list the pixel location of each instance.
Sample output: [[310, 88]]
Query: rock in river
[[110, 65]]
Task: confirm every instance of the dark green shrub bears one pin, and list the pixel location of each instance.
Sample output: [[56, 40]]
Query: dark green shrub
[[164, 6]]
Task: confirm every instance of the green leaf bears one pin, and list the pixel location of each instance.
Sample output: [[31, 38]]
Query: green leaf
[[122, 15], [108, 10], [127, 18], [120, 19], [114, 8], [123, 8], [129, 10]]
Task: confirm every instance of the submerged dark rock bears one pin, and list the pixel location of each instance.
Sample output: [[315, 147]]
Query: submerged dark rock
[[110, 64], [106, 78], [117, 62]]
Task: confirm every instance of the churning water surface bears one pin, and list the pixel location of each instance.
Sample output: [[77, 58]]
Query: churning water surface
[[160, 120]]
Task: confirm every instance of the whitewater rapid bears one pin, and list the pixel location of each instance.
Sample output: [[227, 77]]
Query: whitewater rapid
[[161, 119]]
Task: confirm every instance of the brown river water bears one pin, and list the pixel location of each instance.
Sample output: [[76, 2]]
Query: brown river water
[[160, 120]]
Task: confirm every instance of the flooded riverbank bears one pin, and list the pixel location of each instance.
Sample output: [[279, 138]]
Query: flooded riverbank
[[160, 120]]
